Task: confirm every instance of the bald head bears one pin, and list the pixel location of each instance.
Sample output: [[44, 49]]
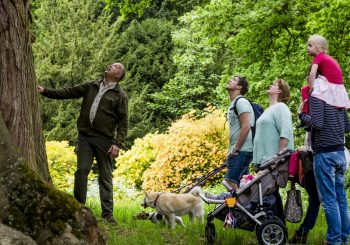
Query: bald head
[[115, 72]]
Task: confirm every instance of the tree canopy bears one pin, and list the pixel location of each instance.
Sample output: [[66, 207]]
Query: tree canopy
[[180, 54]]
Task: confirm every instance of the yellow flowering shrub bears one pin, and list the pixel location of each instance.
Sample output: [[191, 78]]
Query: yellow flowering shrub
[[132, 164], [62, 162], [191, 148]]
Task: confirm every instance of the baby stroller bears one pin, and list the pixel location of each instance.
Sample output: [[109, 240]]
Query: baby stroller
[[252, 206]]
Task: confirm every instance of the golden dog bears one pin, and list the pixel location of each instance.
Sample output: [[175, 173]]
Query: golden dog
[[172, 205]]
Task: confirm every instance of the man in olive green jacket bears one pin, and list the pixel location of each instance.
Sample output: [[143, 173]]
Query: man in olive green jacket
[[102, 126]]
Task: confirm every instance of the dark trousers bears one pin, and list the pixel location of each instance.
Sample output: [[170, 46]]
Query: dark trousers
[[88, 148], [279, 206], [314, 204]]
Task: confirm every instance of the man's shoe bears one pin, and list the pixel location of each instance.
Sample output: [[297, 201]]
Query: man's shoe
[[110, 219], [299, 237]]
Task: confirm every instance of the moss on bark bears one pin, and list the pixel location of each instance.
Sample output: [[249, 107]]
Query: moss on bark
[[44, 213], [34, 207]]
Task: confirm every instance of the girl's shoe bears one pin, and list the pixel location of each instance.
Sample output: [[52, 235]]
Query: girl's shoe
[[210, 196]]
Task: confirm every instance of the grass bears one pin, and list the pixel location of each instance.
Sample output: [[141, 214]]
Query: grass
[[130, 231]]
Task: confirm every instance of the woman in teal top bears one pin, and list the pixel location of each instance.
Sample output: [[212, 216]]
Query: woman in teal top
[[274, 130]]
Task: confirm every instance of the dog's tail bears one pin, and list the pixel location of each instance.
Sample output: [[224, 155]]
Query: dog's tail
[[196, 190]]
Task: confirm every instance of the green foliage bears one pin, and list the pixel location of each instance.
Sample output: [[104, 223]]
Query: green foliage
[[182, 64], [197, 58], [160, 9], [75, 49], [347, 180], [145, 50], [140, 119], [171, 9], [74, 43], [129, 7], [256, 39], [333, 21], [63, 120]]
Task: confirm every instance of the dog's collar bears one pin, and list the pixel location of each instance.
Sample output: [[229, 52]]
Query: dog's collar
[[155, 201]]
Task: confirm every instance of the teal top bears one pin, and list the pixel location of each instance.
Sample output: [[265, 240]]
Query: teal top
[[273, 124], [242, 106]]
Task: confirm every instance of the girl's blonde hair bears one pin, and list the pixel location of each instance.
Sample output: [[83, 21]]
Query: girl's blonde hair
[[320, 42]]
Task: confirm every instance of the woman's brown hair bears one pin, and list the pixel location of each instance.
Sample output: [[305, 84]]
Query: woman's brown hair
[[284, 96]]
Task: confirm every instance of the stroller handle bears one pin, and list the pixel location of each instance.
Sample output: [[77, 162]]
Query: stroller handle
[[279, 157]]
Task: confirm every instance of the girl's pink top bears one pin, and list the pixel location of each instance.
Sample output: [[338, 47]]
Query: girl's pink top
[[329, 68]]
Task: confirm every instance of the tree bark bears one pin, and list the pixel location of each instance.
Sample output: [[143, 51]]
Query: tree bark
[[30, 205], [27, 202], [19, 104]]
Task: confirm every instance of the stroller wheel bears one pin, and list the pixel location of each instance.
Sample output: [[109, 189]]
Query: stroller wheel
[[210, 232], [272, 232]]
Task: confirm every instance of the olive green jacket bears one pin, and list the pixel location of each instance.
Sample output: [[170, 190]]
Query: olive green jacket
[[111, 120]]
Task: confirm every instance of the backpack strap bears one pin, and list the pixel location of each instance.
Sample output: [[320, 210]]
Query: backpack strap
[[234, 107]]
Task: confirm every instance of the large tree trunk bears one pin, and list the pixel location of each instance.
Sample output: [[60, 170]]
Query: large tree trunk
[[19, 105], [31, 206], [27, 203]]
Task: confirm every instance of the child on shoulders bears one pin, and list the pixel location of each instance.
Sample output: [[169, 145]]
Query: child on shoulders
[[328, 85], [324, 79]]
